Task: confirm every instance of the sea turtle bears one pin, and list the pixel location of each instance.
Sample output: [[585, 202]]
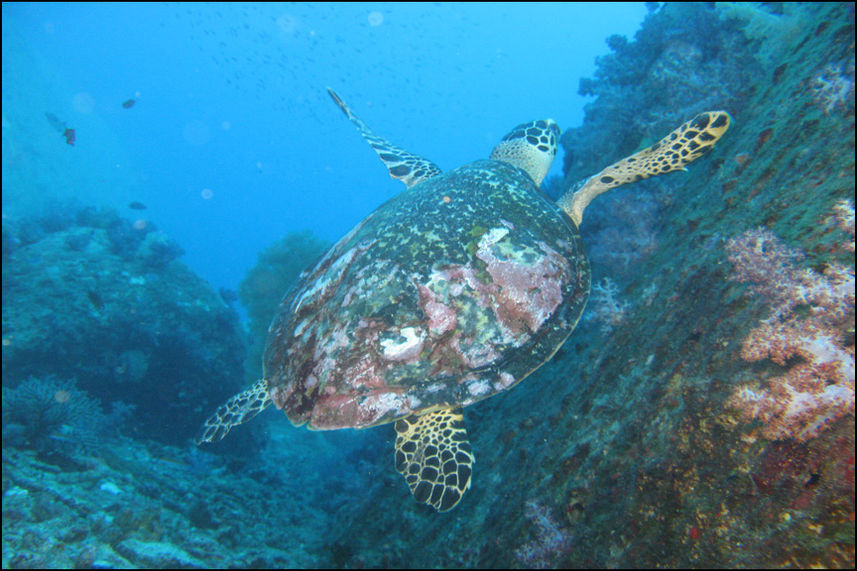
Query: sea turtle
[[448, 293]]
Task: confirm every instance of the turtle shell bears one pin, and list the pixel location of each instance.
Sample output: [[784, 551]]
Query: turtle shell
[[449, 293]]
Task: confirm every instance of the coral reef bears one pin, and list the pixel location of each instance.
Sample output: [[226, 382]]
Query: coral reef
[[605, 307], [94, 297], [819, 389], [623, 231], [48, 415], [773, 30], [678, 65], [550, 539], [833, 87]]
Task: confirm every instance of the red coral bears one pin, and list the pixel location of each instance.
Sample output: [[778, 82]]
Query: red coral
[[819, 389]]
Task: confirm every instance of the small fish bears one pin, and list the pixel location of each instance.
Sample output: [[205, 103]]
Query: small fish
[[58, 125], [63, 438], [95, 299], [172, 461], [228, 295], [129, 103], [137, 206]]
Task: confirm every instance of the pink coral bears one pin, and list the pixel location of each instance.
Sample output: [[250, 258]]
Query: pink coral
[[819, 388], [551, 540]]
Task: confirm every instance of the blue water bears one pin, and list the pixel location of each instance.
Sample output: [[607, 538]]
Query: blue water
[[230, 103]]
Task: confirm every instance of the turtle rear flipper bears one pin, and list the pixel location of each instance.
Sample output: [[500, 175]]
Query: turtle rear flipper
[[434, 455], [404, 166], [237, 410], [682, 146]]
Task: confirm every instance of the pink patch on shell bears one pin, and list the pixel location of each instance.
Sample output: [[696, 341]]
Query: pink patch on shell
[[529, 292], [441, 317], [506, 381], [358, 410]]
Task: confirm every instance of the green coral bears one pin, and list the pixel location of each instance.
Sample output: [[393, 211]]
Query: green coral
[[261, 291]]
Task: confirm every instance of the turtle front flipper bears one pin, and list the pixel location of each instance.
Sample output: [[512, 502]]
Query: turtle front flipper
[[237, 410], [404, 166], [434, 455], [682, 146]]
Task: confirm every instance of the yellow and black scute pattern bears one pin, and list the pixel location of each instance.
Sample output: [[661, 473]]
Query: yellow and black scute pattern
[[434, 455]]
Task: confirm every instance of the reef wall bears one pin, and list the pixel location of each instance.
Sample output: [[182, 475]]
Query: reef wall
[[631, 448], [102, 302]]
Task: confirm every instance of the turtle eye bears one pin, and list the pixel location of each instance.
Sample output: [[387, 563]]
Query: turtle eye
[[530, 146], [535, 132]]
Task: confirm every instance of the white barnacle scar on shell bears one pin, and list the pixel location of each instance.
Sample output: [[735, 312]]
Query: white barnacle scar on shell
[[400, 350]]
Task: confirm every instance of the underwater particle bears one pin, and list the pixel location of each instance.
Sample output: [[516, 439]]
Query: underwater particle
[[62, 396], [207, 193], [136, 205], [196, 133], [287, 24], [83, 103], [446, 200], [128, 103], [375, 18], [140, 224]]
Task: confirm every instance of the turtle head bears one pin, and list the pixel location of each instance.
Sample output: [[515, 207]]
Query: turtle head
[[530, 146]]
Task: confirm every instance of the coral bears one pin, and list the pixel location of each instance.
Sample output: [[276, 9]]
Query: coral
[[677, 65], [804, 332], [49, 415], [775, 28], [105, 302], [833, 87], [158, 250], [606, 308], [131, 366], [550, 542], [843, 215], [621, 231], [77, 241]]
